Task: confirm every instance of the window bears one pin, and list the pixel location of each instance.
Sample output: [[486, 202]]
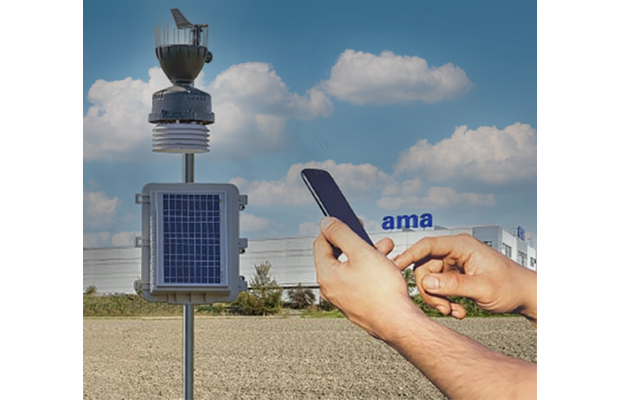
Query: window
[[506, 250], [532, 262], [522, 258]]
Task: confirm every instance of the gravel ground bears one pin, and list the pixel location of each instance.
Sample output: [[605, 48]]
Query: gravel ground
[[268, 358]]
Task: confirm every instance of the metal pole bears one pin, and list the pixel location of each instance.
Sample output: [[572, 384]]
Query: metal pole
[[188, 309], [188, 356], [188, 168]]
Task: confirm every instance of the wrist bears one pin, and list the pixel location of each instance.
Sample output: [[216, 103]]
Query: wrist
[[399, 323]]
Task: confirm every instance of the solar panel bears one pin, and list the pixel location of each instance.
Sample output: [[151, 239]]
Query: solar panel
[[190, 242], [191, 239]]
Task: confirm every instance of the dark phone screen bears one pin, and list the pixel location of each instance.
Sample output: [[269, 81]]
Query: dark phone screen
[[331, 200]]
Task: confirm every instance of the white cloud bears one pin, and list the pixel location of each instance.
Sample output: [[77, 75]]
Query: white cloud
[[487, 155], [251, 223], [309, 229], [406, 188], [356, 181], [251, 104], [363, 78], [100, 211], [436, 197], [124, 239], [97, 239], [116, 125], [370, 225]]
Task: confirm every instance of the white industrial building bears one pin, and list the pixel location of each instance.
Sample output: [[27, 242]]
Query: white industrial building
[[114, 269]]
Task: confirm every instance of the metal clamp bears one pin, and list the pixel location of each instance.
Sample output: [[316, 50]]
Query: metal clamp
[[142, 198], [141, 242], [243, 244], [243, 201]]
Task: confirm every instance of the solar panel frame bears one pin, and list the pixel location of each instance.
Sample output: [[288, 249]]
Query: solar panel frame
[[185, 257], [152, 285]]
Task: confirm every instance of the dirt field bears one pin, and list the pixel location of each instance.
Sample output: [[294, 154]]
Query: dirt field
[[268, 358]]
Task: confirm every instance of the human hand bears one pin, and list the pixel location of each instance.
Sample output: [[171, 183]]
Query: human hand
[[463, 266], [368, 288]]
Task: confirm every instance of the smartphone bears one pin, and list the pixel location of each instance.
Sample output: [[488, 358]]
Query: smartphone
[[332, 202]]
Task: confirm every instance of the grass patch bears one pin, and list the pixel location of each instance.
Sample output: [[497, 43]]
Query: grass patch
[[126, 305], [315, 312], [132, 305], [470, 306]]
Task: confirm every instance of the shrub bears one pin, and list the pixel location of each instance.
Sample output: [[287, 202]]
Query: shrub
[[91, 291], [325, 305], [212, 309], [410, 279], [264, 297], [300, 297], [470, 306]]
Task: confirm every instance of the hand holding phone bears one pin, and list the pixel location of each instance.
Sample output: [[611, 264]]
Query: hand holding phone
[[332, 202]]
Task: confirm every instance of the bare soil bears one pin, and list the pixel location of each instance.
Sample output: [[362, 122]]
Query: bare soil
[[268, 358]]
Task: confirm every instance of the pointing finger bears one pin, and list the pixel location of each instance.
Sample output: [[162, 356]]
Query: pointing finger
[[385, 246], [428, 247]]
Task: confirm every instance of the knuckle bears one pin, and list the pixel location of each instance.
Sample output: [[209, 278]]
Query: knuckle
[[465, 236], [334, 229], [424, 243]]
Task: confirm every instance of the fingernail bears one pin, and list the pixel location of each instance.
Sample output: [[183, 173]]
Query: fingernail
[[325, 222], [431, 283]]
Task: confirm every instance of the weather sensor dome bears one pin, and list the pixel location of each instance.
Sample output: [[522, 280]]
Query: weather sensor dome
[[181, 112]]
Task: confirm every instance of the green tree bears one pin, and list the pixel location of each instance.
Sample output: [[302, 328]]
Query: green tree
[[263, 297]]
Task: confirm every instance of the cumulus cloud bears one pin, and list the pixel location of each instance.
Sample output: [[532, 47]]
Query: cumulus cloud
[[97, 239], [252, 223], [363, 78], [356, 181], [370, 225], [251, 104], [116, 126], [124, 239], [308, 229], [434, 198], [487, 154], [100, 211], [407, 188]]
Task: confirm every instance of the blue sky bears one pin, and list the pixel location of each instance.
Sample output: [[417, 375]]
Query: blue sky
[[413, 106]]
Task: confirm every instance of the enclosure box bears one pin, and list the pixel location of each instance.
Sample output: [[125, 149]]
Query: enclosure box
[[190, 243]]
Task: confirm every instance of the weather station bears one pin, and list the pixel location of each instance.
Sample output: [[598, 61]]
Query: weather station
[[190, 231]]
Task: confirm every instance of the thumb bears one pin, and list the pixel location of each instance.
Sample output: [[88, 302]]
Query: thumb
[[341, 236], [452, 284]]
